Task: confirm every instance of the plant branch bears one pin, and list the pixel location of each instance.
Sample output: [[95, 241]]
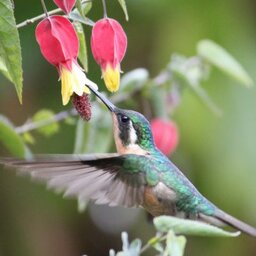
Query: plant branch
[[41, 16], [31, 125]]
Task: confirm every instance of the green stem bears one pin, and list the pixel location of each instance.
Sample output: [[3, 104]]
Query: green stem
[[148, 245], [104, 9], [30, 125], [44, 8]]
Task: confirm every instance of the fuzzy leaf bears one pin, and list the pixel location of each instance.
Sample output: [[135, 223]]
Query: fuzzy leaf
[[76, 16], [46, 116], [192, 77], [10, 51], [134, 80], [175, 245], [123, 5], [190, 227], [82, 55], [10, 139], [220, 58]]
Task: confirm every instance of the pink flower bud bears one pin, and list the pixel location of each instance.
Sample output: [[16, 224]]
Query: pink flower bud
[[65, 5], [59, 45], [109, 43], [165, 134]]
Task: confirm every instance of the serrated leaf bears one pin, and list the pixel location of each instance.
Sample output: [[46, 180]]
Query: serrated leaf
[[134, 80], [175, 245], [189, 227], [220, 58], [10, 50], [46, 116], [10, 139], [123, 5], [82, 55]]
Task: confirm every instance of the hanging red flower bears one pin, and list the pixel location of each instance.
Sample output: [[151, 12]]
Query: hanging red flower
[[59, 45], [108, 44], [165, 134], [65, 5]]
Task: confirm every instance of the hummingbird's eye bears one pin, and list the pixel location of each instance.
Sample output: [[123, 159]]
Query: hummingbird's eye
[[124, 119]]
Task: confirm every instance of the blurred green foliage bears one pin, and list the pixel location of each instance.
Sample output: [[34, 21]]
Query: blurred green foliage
[[217, 153]]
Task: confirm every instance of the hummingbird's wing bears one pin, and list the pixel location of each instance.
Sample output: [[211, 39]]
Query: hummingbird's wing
[[99, 177]]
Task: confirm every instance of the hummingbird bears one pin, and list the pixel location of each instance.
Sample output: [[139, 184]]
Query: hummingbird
[[138, 175]]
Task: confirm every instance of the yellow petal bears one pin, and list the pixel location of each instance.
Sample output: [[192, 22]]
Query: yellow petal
[[66, 85], [111, 77], [80, 80], [74, 81]]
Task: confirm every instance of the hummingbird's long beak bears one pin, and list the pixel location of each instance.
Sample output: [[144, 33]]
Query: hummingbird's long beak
[[106, 101]]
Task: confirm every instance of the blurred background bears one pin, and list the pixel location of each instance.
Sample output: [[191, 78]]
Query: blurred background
[[216, 153]]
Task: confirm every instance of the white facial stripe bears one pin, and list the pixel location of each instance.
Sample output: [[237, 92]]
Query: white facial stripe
[[133, 135]]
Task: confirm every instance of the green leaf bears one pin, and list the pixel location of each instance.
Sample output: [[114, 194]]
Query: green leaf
[[10, 139], [155, 242], [28, 138], [191, 76], [123, 5], [4, 70], [82, 55], [46, 118], [220, 58], [134, 80], [175, 245], [70, 120], [83, 8], [10, 50], [135, 247], [76, 16], [189, 227]]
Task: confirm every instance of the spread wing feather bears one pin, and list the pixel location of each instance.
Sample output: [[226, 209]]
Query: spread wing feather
[[100, 178]]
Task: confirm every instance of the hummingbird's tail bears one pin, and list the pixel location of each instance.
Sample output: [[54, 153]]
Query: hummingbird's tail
[[235, 223]]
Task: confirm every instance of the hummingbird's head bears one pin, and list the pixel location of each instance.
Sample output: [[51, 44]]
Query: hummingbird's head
[[132, 130]]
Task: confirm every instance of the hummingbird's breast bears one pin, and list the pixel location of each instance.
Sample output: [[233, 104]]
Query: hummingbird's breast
[[159, 200]]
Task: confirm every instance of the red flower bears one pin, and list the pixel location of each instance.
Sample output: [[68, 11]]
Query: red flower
[[165, 134], [59, 45], [108, 43], [65, 5]]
